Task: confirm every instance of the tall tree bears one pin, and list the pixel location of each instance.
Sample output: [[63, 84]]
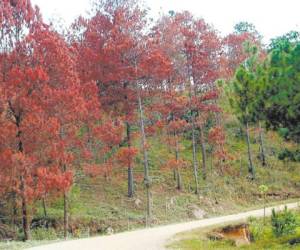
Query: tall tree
[[281, 89], [107, 46], [243, 94], [233, 47], [43, 107]]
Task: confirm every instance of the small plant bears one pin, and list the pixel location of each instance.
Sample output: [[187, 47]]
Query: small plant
[[263, 189], [256, 228], [283, 223]]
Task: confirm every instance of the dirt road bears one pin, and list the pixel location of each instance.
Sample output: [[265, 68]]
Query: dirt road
[[152, 238]]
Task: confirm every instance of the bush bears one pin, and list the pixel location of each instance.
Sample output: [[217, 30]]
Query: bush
[[44, 234], [283, 223], [289, 155]]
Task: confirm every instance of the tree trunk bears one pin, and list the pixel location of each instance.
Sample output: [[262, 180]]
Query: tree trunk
[[262, 146], [174, 170], [179, 180], [14, 210], [66, 216], [212, 161], [145, 155], [193, 92], [174, 174], [130, 182], [251, 169], [129, 168], [195, 163], [25, 219], [44, 206], [178, 175], [203, 152]]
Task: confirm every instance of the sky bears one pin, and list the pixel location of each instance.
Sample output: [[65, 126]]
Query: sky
[[271, 17]]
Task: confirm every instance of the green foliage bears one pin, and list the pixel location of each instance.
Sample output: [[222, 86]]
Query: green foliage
[[263, 189], [246, 27], [44, 234], [283, 223], [270, 90], [281, 91], [256, 228], [242, 27], [283, 42], [289, 155], [284, 132], [246, 87]]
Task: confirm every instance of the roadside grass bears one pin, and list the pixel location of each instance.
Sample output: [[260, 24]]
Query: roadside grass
[[263, 240], [18, 245]]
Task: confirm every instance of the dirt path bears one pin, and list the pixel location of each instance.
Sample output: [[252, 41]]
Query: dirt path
[[152, 238]]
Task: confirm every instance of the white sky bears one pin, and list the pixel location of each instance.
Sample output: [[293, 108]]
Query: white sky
[[271, 17]]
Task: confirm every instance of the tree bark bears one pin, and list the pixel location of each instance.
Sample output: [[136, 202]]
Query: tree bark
[[179, 180], [251, 169], [44, 206], [193, 92], [129, 168], [14, 210], [203, 152], [178, 175], [130, 182], [25, 219], [174, 175], [66, 216], [145, 156], [195, 162], [262, 146]]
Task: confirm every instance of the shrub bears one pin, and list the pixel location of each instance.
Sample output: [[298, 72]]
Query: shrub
[[289, 155], [283, 223]]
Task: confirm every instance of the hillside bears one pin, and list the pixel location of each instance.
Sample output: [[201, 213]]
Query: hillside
[[97, 204]]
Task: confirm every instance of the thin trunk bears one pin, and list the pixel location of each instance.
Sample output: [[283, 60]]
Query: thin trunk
[[44, 206], [145, 155], [195, 163], [203, 152], [14, 210], [251, 169], [192, 92], [179, 180], [178, 175], [174, 174], [129, 168], [66, 215], [212, 161], [174, 170], [130, 182], [262, 146], [25, 219]]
